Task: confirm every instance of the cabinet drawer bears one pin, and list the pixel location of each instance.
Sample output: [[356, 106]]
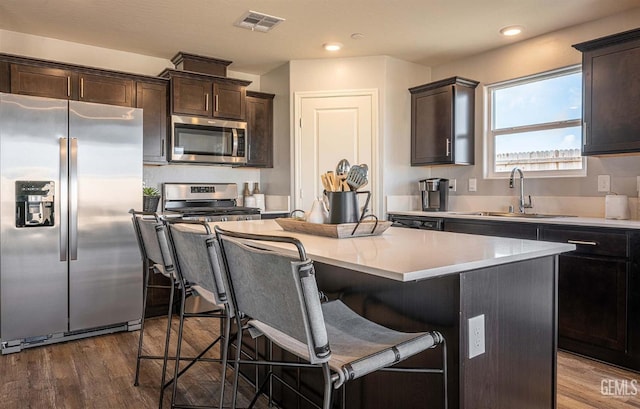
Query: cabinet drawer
[[590, 241]]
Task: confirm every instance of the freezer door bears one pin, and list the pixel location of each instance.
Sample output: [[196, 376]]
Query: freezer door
[[105, 269], [33, 270]]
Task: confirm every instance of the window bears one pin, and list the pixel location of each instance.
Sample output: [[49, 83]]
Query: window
[[535, 123]]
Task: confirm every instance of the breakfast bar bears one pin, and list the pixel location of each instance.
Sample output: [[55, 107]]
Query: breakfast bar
[[417, 280]]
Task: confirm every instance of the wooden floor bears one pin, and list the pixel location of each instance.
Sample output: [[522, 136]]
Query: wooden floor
[[98, 373]]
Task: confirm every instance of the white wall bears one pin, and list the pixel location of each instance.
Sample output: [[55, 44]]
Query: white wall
[[74, 53], [536, 55]]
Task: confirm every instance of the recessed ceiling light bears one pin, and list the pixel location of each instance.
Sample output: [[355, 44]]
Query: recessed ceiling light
[[332, 46], [511, 31]]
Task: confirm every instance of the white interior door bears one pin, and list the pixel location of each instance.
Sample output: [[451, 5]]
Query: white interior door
[[331, 127]]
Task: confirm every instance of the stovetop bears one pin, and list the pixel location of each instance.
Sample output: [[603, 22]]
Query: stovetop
[[204, 199], [215, 210]]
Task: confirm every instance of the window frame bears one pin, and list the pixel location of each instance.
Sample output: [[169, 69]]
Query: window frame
[[490, 134]]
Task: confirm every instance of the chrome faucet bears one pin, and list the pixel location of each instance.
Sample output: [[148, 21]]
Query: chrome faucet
[[521, 204]]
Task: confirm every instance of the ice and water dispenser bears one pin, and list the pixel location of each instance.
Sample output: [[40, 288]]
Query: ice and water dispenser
[[435, 194], [34, 203]]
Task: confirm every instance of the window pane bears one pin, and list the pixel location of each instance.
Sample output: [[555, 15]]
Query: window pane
[[554, 149], [549, 100]]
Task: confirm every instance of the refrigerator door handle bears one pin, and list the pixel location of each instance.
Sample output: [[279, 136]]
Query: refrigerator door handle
[[73, 199], [64, 194]]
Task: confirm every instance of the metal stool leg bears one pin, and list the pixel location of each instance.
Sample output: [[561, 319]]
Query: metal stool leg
[[144, 309], [178, 347], [166, 344]]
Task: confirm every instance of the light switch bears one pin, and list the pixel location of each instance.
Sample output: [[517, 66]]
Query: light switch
[[604, 183], [473, 185]]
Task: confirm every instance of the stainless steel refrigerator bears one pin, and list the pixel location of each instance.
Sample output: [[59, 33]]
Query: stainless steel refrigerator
[[69, 261]]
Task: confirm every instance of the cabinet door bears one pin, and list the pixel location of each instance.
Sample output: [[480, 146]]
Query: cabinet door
[[592, 300], [152, 98], [612, 96], [260, 131], [229, 101], [431, 126], [192, 96], [106, 90], [5, 79], [43, 81]]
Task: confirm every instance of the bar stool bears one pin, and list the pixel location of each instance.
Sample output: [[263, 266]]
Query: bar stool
[[150, 234], [278, 292], [197, 262]]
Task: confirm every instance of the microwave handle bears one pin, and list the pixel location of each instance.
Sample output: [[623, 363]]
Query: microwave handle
[[234, 148]]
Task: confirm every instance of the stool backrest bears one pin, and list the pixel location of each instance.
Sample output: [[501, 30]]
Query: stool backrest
[[152, 239], [276, 288], [197, 256]]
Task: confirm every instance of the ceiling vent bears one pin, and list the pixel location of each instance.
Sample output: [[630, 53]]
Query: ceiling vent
[[255, 21]]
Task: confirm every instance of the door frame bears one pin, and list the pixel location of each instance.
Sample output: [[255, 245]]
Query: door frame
[[296, 146]]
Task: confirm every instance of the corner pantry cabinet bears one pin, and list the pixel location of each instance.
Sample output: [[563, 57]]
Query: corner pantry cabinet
[[260, 129], [442, 122], [611, 93]]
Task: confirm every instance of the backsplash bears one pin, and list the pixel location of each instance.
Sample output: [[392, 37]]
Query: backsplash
[[591, 206]]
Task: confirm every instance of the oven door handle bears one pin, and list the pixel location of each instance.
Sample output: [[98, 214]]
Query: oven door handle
[[234, 147]]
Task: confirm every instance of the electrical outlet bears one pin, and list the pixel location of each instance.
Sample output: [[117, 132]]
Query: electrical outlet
[[473, 185], [476, 336], [604, 183], [452, 185]]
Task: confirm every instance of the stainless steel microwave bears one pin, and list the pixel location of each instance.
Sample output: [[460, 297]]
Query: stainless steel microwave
[[207, 140]]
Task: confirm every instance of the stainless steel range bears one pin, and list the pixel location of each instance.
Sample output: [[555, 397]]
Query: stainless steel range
[[211, 202]]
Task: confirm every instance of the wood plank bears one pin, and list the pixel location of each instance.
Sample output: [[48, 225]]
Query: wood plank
[[98, 373]]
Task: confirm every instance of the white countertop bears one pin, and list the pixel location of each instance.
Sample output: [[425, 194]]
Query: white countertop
[[576, 221], [410, 254]]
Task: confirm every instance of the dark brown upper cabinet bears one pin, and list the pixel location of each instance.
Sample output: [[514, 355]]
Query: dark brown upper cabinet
[[5, 78], [106, 90], [611, 93], [207, 95], [442, 122], [152, 97], [191, 96], [60, 83], [260, 129], [44, 81], [229, 100]]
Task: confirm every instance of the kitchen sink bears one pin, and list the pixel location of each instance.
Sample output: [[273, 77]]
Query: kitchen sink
[[510, 214]]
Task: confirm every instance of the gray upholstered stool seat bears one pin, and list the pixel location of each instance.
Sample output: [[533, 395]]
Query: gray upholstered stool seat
[[358, 346]]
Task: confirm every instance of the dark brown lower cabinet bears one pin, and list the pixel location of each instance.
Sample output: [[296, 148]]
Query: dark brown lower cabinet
[[598, 284], [592, 295], [158, 298]]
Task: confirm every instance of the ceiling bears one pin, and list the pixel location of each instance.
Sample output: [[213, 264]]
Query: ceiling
[[429, 32]]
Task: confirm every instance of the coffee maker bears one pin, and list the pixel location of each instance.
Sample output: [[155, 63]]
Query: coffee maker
[[435, 194]]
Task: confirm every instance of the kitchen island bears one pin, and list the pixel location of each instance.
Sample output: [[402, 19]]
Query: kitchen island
[[416, 280]]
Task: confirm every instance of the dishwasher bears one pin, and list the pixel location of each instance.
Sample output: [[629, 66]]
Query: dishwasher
[[416, 222]]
